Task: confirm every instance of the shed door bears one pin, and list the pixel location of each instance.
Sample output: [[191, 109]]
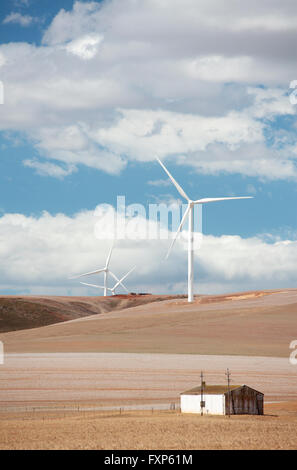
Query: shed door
[[243, 402], [246, 401]]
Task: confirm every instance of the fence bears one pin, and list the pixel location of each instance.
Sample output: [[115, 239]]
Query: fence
[[61, 412]]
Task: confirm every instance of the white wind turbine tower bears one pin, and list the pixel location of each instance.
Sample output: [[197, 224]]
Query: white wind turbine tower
[[189, 213], [106, 272], [117, 284]]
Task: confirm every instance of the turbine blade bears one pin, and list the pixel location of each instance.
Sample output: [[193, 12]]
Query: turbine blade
[[108, 257], [121, 280], [123, 285], [178, 187], [215, 199], [117, 279], [87, 274], [129, 272], [114, 276], [116, 286], [179, 229]]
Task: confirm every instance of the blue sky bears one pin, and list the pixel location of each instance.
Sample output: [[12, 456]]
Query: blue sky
[[24, 191], [41, 11], [93, 90]]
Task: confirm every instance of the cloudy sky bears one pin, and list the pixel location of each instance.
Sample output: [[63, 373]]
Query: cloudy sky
[[94, 90]]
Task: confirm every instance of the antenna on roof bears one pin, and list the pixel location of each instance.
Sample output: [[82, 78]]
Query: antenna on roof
[[202, 402], [228, 373]]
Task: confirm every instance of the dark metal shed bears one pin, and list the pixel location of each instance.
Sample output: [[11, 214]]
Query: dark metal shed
[[219, 399]]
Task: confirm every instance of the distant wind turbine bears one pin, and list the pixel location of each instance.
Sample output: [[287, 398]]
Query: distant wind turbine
[[189, 213], [106, 272], [117, 284]]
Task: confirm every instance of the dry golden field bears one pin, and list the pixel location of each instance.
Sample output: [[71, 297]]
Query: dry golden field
[[259, 323], [170, 430]]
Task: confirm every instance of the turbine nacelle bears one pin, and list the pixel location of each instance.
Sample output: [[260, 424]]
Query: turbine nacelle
[[117, 284]]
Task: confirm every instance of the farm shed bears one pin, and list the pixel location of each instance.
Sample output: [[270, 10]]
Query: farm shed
[[216, 398]]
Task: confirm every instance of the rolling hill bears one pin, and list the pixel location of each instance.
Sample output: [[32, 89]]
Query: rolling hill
[[22, 312], [261, 323]]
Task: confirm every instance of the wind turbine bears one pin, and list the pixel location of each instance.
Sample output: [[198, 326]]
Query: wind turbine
[[112, 289], [189, 213], [104, 270]]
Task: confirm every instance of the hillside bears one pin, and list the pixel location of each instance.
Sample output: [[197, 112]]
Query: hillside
[[248, 323], [22, 312]]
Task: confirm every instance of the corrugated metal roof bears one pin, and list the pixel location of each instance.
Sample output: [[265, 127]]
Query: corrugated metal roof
[[211, 389]]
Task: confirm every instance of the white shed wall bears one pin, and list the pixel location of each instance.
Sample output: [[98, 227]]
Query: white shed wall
[[214, 404]]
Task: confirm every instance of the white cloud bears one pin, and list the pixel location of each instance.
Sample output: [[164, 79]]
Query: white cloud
[[184, 82], [2, 60], [18, 18], [73, 145], [252, 159], [69, 25], [269, 103], [159, 182], [249, 259], [85, 47], [39, 254], [220, 68], [49, 169], [153, 18], [267, 22], [141, 134]]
